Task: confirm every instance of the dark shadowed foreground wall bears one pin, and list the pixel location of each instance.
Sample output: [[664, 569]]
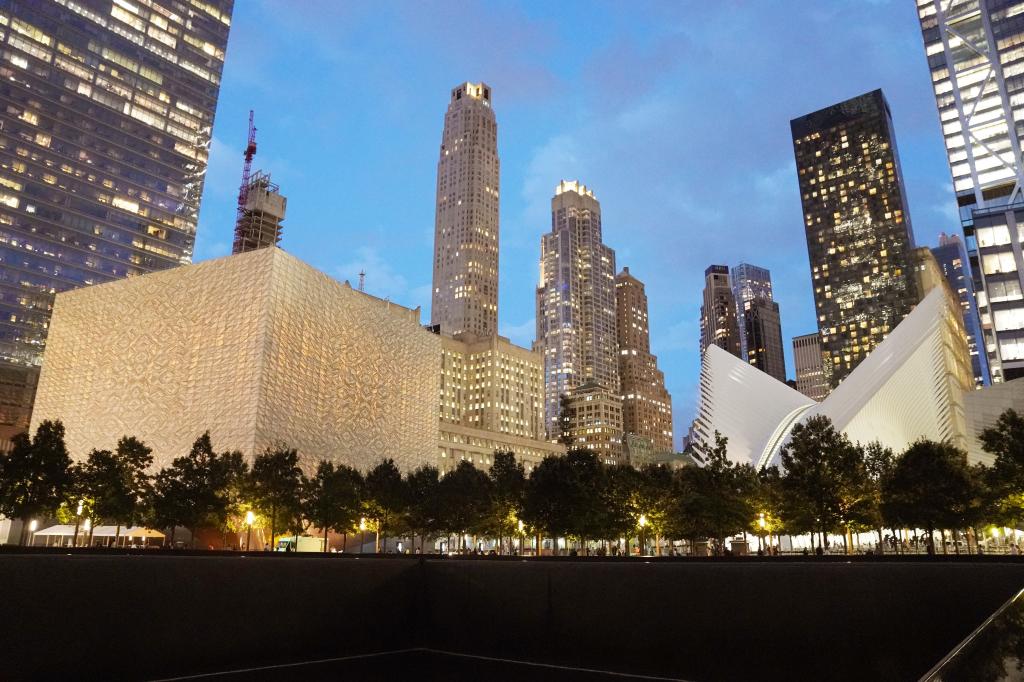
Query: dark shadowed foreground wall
[[143, 616]]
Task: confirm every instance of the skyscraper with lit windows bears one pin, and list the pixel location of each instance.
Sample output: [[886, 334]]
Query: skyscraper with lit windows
[[975, 58], [858, 230], [106, 113], [718, 324], [465, 292], [576, 329], [757, 316], [646, 404]]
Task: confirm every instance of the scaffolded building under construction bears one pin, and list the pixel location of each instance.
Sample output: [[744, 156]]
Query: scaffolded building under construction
[[260, 216]]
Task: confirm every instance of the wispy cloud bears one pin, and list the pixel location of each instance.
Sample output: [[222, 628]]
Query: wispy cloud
[[521, 334], [382, 279]]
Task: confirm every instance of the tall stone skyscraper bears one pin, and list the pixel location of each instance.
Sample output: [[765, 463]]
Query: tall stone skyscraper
[[465, 297], [492, 391], [952, 259], [106, 112], [646, 404], [758, 319], [718, 324], [575, 301], [858, 229], [974, 55]]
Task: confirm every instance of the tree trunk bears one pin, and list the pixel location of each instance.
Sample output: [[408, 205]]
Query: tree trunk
[[117, 534], [942, 535], [325, 541], [173, 527], [344, 542]]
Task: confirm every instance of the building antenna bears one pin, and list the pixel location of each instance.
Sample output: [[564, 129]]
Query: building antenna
[[362, 280]]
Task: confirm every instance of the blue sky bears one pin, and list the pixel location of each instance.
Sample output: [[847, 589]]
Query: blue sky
[[676, 114]]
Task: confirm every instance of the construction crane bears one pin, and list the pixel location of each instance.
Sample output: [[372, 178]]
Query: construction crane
[[250, 151], [243, 190]]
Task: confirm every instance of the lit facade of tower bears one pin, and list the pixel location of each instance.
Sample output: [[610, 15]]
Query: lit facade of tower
[[576, 328], [758, 320], [492, 399], [951, 256], [465, 291], [646, 404], [974, 57], [718, 323], [106, 113], [858, 229], [809, 368]]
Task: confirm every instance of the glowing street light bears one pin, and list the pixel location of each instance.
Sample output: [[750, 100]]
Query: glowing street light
[[522, 537], [32, 525], [78, 521], [642, 522], [249, 519], [362, 537], [760, 537]]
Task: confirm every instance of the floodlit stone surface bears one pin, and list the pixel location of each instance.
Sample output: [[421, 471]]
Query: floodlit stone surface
[[258, 348]]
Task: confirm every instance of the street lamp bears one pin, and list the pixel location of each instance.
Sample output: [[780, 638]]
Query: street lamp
[[78, 520], [522, 538], [761, 523], [249, 518], [643, 525], [362, 534], [32, 525]]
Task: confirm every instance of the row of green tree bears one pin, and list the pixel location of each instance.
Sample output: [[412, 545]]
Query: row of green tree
[[826, 485]]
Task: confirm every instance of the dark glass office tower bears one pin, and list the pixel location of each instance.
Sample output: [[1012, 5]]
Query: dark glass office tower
[[858, 229], [106, 113], [757, 315]]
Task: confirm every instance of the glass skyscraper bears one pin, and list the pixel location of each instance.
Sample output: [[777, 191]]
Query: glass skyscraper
[[757, 315], [976, 59], [858, 231], [106, 113], [952, 259]]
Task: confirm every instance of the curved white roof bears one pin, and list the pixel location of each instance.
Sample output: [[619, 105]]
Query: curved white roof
[[910, 386]]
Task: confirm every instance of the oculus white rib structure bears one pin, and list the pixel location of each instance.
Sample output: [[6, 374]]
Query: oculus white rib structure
[[911, 386]]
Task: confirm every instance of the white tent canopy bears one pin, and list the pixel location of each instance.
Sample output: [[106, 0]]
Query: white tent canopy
[[133, 532], [63, 530]]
